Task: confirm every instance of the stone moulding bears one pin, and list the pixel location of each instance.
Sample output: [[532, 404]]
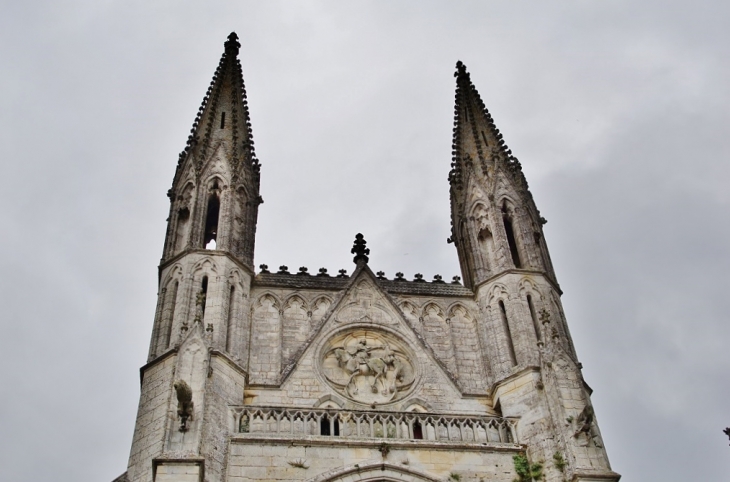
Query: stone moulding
[[371, 427], [373, 471], [323, 441]]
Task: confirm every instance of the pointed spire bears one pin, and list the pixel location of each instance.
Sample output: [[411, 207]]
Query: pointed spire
[[226, 89], [478, 147], [476, 141]]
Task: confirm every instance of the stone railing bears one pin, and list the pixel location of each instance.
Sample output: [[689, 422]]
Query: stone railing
[[349, 424]]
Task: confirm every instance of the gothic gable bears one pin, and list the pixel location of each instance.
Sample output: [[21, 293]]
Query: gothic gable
[[365, 350]]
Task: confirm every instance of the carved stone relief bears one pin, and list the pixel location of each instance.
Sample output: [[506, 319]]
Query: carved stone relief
[[364, 305], [369, 366]]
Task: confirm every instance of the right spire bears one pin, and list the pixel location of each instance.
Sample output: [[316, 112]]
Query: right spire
[[495, 223]]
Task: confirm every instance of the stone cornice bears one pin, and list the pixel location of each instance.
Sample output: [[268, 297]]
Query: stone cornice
[[328, 441], [155, 361], [166, 263]]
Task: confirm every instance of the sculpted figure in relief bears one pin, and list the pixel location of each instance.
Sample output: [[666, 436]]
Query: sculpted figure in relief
[[358, 362], [369, 373]]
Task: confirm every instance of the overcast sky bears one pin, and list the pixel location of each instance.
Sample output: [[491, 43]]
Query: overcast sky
[[619, 112]]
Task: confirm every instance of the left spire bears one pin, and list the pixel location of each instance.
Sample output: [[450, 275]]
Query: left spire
[[215, 191]]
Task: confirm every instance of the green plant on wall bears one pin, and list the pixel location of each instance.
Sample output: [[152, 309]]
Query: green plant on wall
[[559, 461], [454, 476], [526, 472]]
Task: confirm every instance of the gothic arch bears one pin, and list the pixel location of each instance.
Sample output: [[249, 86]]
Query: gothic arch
[[175, 273], [205, 266], [293, 297], [459, 305], [168, 299], [267, 294], [416, 405], [508, 201], [526, 287], [374, 471], [235, 278], [497, 293], [265, 346], [437, 332], [329, 401], [320, 306], [533, 300], [468, 351], [436, 307], [295, 324], [181, 218], [215, 179]]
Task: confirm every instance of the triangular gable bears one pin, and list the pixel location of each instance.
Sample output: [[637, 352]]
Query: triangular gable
[[364, 301]]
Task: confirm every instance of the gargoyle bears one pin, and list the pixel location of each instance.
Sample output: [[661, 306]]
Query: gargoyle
[[585, 422], [184, 403]]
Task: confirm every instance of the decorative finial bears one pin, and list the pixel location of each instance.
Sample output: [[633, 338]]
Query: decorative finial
[[343, 273], [455, 280], [418, 278], [399, 276], [381, 275], [264, 268], [438, 279], [232, 44], [460, 69], [283, 269], [359, 249], [303, 271], [322, 272]]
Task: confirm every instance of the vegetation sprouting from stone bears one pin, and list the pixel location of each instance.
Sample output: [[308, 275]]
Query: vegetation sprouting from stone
[[526, 472], [559, 461]]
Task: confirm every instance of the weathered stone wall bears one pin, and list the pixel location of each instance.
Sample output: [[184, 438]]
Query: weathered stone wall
[[225, 386], [267, 460], [152, 418]]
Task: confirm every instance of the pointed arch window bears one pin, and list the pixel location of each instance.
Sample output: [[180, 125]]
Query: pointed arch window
[[511, 240], [507, 332], [533, 315], [211, 220], [329, 426], [183, 216], [169, 314], [231, 317], [204, 295], [417, 430]]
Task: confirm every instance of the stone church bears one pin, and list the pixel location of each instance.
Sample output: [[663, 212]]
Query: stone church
[[275, 375]]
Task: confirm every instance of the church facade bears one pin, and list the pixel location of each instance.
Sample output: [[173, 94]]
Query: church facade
[[266, 375]]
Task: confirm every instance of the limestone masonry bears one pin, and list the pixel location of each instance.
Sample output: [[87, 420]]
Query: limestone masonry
[[342, 377]]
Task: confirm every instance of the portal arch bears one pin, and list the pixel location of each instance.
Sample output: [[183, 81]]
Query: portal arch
[[374, 472]]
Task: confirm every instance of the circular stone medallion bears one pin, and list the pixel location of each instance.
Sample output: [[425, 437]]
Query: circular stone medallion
[[369, 366]]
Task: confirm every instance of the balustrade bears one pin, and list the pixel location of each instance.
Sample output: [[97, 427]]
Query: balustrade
[[351, 424]]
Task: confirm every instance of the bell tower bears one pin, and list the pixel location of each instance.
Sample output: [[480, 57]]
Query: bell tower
[[198, 353], [214, 196], [498, 233], [214, 202]]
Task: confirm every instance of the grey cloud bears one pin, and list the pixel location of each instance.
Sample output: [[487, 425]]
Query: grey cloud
[[618, 112]]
